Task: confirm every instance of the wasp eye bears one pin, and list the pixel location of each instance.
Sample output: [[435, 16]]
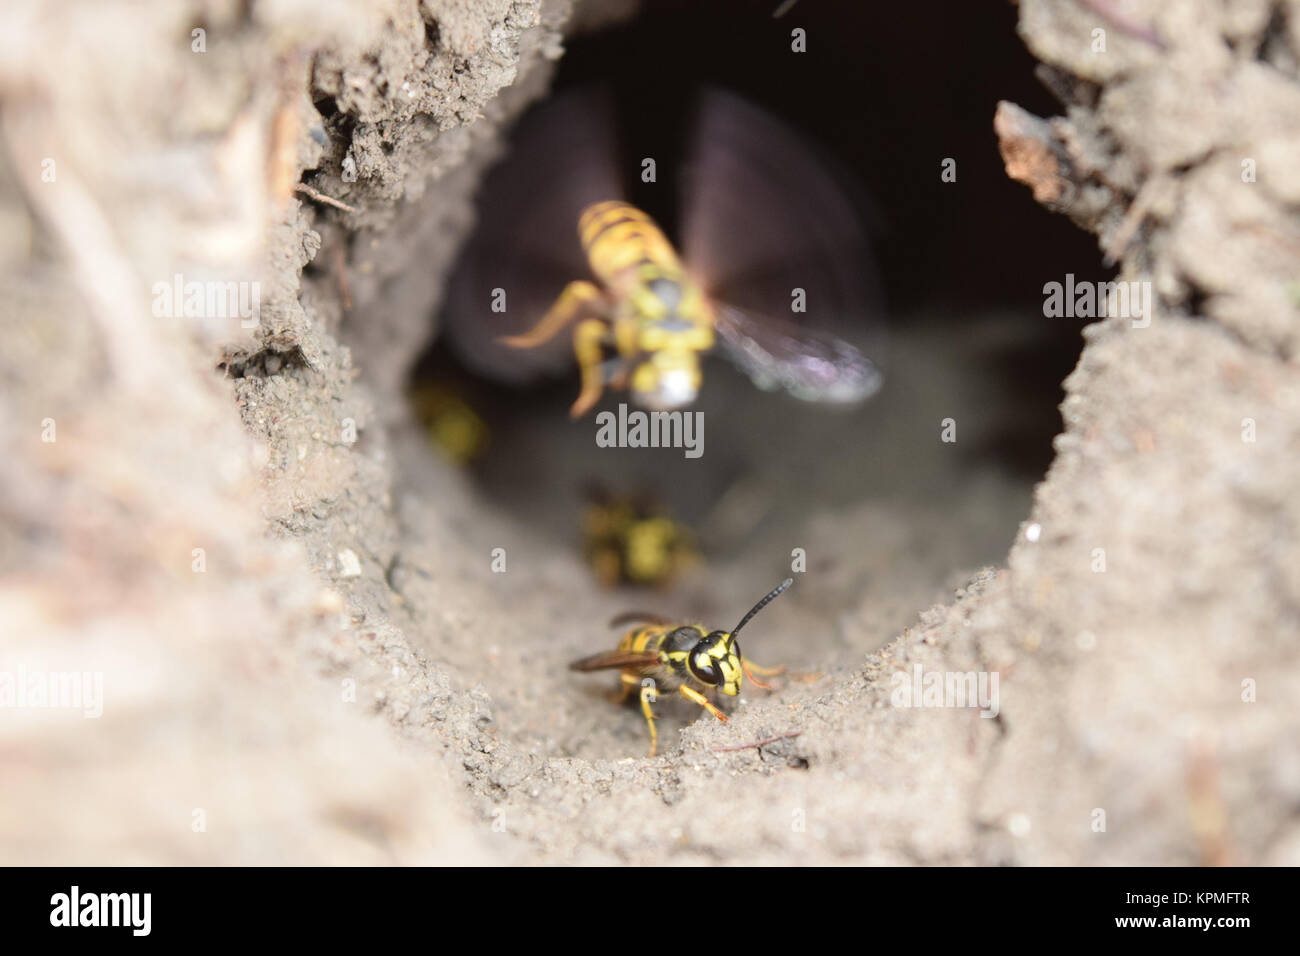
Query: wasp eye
[[701, 665]]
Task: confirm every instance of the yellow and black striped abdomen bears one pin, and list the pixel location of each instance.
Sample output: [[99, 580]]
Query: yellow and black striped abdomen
[[644, 640], [616, 237]]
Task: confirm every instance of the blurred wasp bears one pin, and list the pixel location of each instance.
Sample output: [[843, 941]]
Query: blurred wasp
[[629, 540], [763, 223], [666, 656], [450, 422], [658, 320]]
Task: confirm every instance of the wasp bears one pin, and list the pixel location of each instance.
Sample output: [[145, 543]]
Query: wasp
[[687, 658], [450, 422], [655, 318], [628, 539], [764, 227]]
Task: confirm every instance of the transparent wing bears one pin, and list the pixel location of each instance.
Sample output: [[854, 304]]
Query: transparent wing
[[561, 158], [810, 364], [763, 215]]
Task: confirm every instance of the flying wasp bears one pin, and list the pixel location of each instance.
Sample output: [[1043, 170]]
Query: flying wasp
[[687, 658], [656, 318], [766, 229]]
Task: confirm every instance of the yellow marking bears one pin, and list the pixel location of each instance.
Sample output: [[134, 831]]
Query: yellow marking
[[629, 231], [616, 236], [730, 670], [595, 217], [639, 640]]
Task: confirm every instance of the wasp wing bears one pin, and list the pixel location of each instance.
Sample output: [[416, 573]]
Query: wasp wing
[[611, 659], [767, 224], [561, 158], [810, 364]]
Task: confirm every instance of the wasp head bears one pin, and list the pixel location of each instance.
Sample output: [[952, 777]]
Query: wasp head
[[715, 660]]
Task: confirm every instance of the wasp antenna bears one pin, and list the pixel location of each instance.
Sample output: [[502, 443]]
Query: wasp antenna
[[760, 605]]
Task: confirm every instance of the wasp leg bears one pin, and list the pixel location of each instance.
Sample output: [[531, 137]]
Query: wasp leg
[[647, 697], [627, 334], [566, 308], [627, 682], [619, 374], [751, 669], [588, 338], [691, 694]]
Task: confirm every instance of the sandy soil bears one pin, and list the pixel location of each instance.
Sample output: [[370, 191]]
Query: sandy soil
[[337, 675]]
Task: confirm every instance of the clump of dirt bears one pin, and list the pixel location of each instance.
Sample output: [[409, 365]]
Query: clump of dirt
[[307, 655]]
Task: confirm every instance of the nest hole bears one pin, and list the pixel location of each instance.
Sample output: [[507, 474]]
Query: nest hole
[[878, 511]]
